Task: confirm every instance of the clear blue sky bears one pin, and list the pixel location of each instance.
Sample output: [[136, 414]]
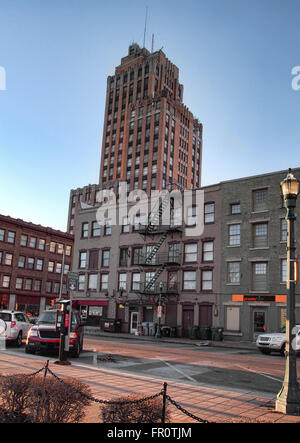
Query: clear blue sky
[[235, 59]]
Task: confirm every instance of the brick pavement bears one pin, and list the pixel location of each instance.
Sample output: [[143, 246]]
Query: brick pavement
[[214, 405]]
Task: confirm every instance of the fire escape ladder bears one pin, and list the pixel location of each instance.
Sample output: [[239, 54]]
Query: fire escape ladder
[[151, 282], [154, 250]]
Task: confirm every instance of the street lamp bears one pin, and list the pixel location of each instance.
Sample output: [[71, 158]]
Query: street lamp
[[288, 398], [159, 308]]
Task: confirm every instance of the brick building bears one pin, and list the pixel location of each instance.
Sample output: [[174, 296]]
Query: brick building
[[31, 261], [253, 260], [123, 267]]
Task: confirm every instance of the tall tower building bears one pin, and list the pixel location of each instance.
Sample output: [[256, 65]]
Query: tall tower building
[[149, 137]]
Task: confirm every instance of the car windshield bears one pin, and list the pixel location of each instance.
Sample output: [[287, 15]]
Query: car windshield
[[5, 316], [48, 318]]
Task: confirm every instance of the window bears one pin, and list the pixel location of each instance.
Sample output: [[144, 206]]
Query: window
[[19, 283], [84, 230], [137, 256], [283, 270], [52, 246], [235, 208], [260, 235], [174, 253], [136, 281], [68, 250], [206, 280], [190, 252], [8, 259], [233, 272], [66, 269], [81, 282], [96, 229], [32, 242], [28, 284], [39, 264], [283, 230], [154, 257], [209, 213], [126, 225], [93, 280], [234, 235], [5, 281], [60, 248], [107, 228], [93, 259], [233, 318], [82, 259], [30, 263], [148, 278], [123, 280], [58, 268], [104, 282], [23, 241], [260, 200], [189, 280], [49, 286], [192, 216], [51, 266], [123, 256], [21, 262], [208, 251], [42, 244], [2, 234], [11, 237], [37, 285], [105, 258], [56, 287], [172, 280], [260, 276]]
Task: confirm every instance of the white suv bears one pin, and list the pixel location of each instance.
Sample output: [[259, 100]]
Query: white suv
[[276, 341], [15, 325]]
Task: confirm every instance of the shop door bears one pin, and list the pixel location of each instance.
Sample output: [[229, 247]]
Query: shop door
[[134, 322], [259, 321]]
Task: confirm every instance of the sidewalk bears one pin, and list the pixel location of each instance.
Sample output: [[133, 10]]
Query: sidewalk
[[213, 405]]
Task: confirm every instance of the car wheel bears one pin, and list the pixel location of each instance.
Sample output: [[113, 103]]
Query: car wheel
[[76, 351], [29, 351], [19, 340], [282, 350]]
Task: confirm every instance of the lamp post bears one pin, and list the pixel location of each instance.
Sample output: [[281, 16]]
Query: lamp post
[[159, 308], [288, 398]]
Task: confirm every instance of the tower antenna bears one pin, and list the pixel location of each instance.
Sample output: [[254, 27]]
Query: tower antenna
[[145, 28], [152, 48]]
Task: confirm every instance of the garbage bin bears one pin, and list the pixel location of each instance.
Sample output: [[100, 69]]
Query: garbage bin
[[107, 324], [217, 334], [145, 326], [151, 328], [194, 332], [118, 324], [204, 333], [166, 331]]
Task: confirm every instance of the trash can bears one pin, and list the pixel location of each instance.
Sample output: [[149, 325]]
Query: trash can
[[217, 334], [145, 326], [118, 324], [204, 333], [194, 332], [166, 331], [152, 328], [107, 324]]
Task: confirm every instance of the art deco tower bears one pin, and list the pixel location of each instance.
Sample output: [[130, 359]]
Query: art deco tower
[[149, 137]]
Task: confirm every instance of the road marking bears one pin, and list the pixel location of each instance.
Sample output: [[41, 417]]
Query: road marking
[[178, 370], [259, 373]]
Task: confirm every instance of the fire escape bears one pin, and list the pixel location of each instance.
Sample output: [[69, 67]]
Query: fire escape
[[154, 228]]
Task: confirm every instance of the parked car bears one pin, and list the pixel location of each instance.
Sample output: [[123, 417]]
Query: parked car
[[276, 341], [17, 325], [44, 336]]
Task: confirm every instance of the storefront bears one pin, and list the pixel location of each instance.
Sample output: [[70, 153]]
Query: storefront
[[92, 311], [248, 315]]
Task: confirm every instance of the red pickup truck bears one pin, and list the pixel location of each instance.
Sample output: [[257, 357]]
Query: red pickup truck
[[44, 335]]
